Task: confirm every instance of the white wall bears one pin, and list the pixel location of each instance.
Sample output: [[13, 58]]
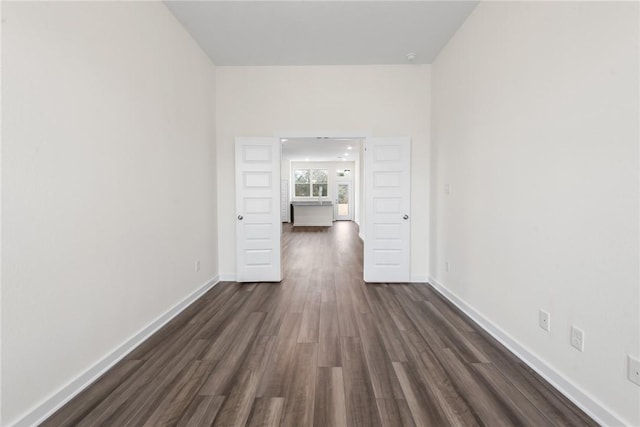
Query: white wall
[[108, 184], [268, 101], [535, 127]]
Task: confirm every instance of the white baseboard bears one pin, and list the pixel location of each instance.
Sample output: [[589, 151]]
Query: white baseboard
[[228, 277], [591, 406], [45, 409], [419, 279]]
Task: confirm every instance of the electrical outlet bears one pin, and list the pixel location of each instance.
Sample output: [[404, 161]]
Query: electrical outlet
[[447, 267], [544, 320], [447, 189], [633, 370], [197, 265], [577, 338]]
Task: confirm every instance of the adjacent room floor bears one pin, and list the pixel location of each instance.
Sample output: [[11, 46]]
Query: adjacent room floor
[[321, 348]]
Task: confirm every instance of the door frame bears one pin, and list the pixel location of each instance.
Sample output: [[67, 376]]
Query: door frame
[[358, 184]]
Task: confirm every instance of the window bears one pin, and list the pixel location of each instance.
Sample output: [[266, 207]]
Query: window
[[301, 178], [310, 182]]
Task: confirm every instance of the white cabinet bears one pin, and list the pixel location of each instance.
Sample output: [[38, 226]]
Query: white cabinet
[[315, 214]]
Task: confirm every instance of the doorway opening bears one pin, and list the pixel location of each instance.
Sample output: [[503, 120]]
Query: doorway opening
[[312, 188], [321, 179], [344, 203]]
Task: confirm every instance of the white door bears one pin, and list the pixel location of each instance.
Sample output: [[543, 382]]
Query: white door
[[387, 180], [343, 203], [258, 210]]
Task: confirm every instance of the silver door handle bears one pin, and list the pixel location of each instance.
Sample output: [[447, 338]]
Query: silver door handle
[[405, 217], [240, 217]]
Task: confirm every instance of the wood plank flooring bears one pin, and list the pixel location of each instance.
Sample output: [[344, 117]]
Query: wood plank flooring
[[321, 348]]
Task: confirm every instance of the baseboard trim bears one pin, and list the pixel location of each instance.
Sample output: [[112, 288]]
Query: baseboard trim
[[419, 279], [58, 399], [228, 277], [591, 406]]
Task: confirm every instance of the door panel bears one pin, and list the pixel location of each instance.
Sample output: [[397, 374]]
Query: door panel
[[388, 204], [258, 210]]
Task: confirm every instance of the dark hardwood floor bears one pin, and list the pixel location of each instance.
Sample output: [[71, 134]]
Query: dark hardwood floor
[[321, 348]]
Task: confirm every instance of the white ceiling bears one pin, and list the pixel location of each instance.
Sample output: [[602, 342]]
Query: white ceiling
[[324, 32], [320, 149]]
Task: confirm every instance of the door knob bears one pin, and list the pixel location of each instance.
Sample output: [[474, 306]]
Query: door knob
[[405, 217], [240, 217]]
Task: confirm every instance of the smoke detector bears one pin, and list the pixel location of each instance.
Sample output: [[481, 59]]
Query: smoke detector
[[411, 56]]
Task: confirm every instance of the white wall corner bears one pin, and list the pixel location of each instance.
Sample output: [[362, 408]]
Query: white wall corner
[[59, 398], [228, 277], [580, 398]]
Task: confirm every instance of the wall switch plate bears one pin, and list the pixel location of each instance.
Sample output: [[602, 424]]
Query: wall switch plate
[[577, 338], [447, 189], [544, 319], [633, 370]]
